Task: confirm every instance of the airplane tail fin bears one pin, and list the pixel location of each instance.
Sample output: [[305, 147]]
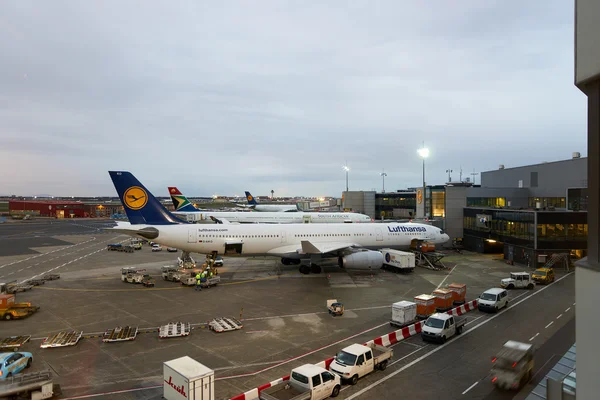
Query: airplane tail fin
[[250, 199], [140, 205], [180, 202]]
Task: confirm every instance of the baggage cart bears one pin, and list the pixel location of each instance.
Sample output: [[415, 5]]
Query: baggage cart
[[404, 313], [459, 292], [13, 343], [443, 299], [224, 324], [62, 339], [174, 329], [120, 334], [425, 305]]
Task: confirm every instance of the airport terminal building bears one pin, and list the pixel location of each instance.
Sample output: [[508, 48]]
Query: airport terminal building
[[527, 212]]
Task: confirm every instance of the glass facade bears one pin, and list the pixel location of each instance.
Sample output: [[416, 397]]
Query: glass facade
[[557, 202], [405, 204], [578, 199], [501, 225], [486, 202], [436, 201]]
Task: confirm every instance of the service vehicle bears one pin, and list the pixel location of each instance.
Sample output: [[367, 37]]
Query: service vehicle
[[14, 362], [440, 327], [11, 310], [401, 261], [307, 382], [218, 261], [133, 275], [543, 275], [492, 300], [518, 280], [136, 245], [14, 287], [513, 365], [173, 274], [358, 360], [335, 308], [156, 247]]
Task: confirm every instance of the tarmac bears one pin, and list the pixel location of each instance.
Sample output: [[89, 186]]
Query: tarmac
[[286, 323]]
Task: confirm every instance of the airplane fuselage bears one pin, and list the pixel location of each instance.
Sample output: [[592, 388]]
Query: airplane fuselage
[[275, 217], [285, 240]]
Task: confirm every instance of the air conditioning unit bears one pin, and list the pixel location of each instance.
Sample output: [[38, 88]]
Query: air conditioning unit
[[501, 166], [576, 154]]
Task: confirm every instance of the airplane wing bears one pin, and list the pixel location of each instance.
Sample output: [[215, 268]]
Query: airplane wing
[[308, 247]]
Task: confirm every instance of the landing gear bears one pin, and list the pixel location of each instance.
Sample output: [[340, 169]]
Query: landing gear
[[290, 261], [307, 269]]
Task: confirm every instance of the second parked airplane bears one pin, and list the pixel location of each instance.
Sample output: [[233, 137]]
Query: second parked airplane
[[189, 213]]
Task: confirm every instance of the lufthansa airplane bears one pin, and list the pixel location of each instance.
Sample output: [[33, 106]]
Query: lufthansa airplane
[[187, 211], [253, 204], [352, 244]]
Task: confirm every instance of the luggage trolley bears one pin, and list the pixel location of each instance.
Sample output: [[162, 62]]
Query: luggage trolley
[[120, 334], [62, 339], [13, 343], [224, 324], [174, 329]]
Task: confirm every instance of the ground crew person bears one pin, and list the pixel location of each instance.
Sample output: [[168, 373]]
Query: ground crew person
[[198, 287]]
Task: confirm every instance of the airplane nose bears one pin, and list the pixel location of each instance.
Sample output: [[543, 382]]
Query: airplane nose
[[446, 237]]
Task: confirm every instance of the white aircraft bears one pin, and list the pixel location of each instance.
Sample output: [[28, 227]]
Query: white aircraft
[[189, 213], [253, 204], [351, 244]]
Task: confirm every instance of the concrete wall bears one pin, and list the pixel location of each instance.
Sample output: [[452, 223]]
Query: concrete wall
[[553, 178], [456, 200], [587, 45], [360, 202]]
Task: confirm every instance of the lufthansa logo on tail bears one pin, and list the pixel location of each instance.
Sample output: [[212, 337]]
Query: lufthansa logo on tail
[[249, 198], [135, 198]]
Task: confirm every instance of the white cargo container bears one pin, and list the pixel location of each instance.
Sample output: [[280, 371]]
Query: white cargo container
[[403, 313], [187, 379], [403, 261]]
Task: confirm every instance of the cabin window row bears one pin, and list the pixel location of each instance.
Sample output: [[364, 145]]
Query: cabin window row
[[241, 236], [330, 235]]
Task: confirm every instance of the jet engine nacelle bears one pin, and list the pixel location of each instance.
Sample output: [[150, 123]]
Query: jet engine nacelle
[[363, 260]]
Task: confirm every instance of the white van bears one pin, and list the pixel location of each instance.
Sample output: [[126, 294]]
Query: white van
[[492, 299]]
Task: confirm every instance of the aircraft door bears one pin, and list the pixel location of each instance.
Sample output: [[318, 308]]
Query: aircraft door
[[306, 219], [379, 235], [283, 238], [192, 236]]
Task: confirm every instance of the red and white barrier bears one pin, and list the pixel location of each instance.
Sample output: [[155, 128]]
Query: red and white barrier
[[385, 340]]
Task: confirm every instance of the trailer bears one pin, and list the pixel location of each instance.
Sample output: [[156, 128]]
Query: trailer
[[399, 261], [174, 329], [224, 324], [37, 385], [13, 287], [13, 343], [404, 313], [62, 339], [50, 277], [120, 334]]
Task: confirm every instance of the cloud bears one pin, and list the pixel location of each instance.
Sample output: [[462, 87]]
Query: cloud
[[222, 97]]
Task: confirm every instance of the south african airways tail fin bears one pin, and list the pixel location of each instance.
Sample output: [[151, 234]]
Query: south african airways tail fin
[[140, 205], [180, 202]]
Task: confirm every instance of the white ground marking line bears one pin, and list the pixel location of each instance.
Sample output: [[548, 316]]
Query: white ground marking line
[[534, 336], [45, 254], [574, 303], [567, 310], [547, 326], [559, 315], [474, 319], [470, 387], [444, 280], [440, 347], [313, 313]]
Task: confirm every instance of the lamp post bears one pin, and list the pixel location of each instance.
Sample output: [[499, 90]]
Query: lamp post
[[346, 168], [383, 175], [449, 171], [424, 153]]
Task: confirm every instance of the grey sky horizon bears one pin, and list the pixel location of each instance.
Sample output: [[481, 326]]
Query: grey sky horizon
[[222, 97]]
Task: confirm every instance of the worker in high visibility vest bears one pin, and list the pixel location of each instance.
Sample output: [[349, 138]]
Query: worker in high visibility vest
[[198, 277]]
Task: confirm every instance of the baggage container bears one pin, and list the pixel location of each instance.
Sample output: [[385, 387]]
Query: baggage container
[[425, 305], [459, 292], [403, 313], [185, 378], [443, 299]]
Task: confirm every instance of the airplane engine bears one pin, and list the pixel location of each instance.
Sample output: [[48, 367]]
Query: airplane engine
[[363, 260]]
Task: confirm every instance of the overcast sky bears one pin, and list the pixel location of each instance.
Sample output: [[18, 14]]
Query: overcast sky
[[218, 97]]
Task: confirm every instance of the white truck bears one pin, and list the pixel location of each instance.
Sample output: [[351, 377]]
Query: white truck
[[518, 280], [440, 327], [185, 378], [396, 260], [308, 382], [358, 360]]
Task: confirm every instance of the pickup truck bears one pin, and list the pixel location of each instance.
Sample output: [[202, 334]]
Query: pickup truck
[[358, 360], [308, 382], [440, 326]]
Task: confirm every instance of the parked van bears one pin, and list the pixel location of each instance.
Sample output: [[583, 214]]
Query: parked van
[[492, 299]]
